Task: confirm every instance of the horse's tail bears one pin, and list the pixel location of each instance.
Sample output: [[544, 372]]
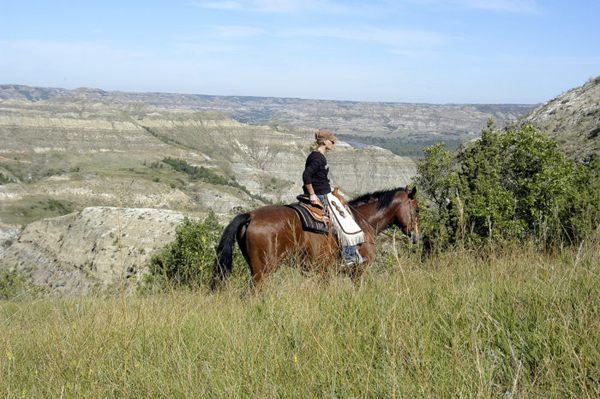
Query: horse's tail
[[224, 261]]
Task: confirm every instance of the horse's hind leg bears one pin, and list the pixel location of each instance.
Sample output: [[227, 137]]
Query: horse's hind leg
[[262, 262]]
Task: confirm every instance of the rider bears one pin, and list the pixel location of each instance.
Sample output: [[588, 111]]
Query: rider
[[316, 182]]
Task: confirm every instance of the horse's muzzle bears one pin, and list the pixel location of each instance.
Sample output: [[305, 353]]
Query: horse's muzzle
[[415, 237]]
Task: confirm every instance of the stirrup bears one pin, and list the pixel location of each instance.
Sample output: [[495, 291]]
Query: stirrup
[[356, 260]]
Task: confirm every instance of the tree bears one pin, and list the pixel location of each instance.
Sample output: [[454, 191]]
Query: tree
[[510, 185], [437, 184], [435, 177], [488, 205], [580, 214], [539, 178]]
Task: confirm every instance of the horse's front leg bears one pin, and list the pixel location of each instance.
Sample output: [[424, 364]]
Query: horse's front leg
[[367, 251]]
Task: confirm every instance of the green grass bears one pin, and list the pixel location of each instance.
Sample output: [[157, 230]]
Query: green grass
[[510, 322]]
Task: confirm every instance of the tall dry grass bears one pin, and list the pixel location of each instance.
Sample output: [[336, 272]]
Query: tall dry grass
[[510, 322]]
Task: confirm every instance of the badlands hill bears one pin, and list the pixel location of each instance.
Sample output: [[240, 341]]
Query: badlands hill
[[101, 165], [69, 153], [572, 119], [86, 197]]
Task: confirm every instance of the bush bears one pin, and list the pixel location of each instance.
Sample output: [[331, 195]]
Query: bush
[[4, 179], [580, 214], [12, 284], [508, 186], [437, 183], [58, 206], [187, 261], [203, 174], [197, 173]]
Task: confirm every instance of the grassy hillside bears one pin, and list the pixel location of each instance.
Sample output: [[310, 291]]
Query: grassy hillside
[[505, 322]]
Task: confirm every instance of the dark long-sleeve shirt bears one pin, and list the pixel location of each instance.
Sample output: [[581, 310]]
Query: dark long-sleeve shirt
[[315, 173]]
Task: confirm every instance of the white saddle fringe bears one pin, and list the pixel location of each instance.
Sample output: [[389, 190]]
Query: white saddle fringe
[[344, 225]]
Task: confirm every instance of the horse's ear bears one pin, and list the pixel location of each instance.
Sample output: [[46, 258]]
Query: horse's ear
[[413, 193]]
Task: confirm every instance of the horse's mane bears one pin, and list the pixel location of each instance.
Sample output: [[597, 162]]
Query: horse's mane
[[384, 198]]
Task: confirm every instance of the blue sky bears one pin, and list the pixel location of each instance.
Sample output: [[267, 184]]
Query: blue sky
[[428, 51]]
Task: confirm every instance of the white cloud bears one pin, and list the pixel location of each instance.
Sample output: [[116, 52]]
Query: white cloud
[[220, 5], [214, 37], [323, 7], [279, 6], [374, 35], [203, 50], [515, 6], [314, 6], [233, 31]]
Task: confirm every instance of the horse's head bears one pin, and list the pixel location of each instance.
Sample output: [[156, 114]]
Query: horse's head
[[397, 206], [407, 215]]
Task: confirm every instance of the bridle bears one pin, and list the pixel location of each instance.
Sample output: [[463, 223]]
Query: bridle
[[406, 238], [413, 218]]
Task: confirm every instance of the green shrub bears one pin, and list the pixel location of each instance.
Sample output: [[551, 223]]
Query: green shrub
[[187, 261], [508, 186], [12, 284], [4, 179], [61, 208], [580, 213], [206, 175], [197, 173], [437, 183]]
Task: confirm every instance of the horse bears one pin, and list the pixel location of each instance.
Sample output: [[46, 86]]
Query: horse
[[267, 236]]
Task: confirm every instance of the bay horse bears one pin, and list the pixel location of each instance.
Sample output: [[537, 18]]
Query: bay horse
[[267, 236]]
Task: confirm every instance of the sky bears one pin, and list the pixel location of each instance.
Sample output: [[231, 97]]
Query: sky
[[409, 51]]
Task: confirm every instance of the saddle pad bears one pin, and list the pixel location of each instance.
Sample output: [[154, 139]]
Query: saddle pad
[[308, 222], [344, 225]]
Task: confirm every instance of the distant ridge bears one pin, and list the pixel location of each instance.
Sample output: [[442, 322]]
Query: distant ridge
[[408, 121]]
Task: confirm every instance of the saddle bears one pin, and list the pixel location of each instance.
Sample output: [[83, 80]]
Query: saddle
[[338, 221], [314, 218]]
